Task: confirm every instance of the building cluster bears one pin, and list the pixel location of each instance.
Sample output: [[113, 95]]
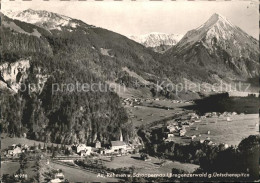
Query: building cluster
[[218, 114], [174, 129], [16, 149], [115, 147], [132, 101], [58, 177], [175, 101], [177, 127]]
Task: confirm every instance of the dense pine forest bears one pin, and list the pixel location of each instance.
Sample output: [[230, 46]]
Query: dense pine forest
[[61, 117]]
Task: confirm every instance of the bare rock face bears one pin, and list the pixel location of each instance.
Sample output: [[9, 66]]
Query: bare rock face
[[13, 74]]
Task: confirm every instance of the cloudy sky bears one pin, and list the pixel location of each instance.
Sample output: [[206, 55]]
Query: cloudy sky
[[143, 16]]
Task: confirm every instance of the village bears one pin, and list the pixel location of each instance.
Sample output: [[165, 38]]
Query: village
[[174, 128], [178, 127], [192, 127], [116, 148], [133, 101], [166, 119], [66, 153]]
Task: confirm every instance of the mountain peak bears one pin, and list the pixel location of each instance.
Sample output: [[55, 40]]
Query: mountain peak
[[216, 19], [219, 17], [216, 26], [217, 45], [216, 15]]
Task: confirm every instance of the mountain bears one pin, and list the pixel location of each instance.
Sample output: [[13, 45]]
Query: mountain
[[217, 50], [205, 54], [97, 44], [159, 42], [41, 58], [44, 19], [114, 58]]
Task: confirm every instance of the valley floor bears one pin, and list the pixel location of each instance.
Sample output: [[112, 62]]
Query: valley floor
[[222, 131], [152, 166], [151, 115]]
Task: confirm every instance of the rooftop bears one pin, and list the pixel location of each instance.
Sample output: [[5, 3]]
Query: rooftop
[[117, 143]]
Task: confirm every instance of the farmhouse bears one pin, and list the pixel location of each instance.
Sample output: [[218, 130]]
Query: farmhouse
[[14, 151], [59, 176], [83, 147], [105, 151], [118, 146], [169, 135]]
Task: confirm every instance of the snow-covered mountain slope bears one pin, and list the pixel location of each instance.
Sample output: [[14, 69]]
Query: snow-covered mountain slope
[[217, 30], [217, 47], [42, 18], [156, 39]]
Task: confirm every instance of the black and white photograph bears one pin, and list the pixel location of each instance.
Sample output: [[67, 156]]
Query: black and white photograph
[[129, 91]]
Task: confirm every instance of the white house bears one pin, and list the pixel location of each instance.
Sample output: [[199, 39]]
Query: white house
[[59, 176], [118, 146], [105, 151], [13, 152], [170, 135], [83, 147]]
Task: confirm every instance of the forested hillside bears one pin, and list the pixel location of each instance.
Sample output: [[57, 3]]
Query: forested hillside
[[62, 117]]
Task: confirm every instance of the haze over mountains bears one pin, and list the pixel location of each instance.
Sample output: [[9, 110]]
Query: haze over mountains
[[44, 48], [159, 42]]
